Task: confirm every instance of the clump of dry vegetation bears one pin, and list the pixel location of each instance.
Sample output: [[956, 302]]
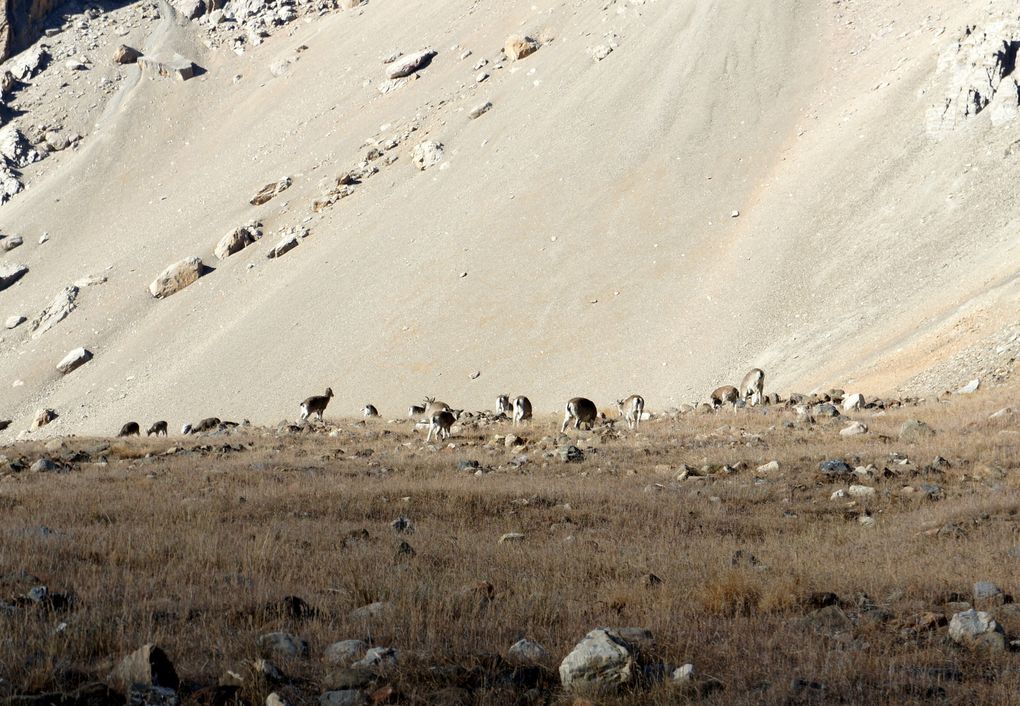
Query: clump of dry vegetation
[[777, 593]]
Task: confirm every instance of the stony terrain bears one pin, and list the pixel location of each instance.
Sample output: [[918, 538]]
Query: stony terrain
[[788, 554], [228, 205]]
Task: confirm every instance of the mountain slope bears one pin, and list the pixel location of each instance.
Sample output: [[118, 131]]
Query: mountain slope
[[590, 209]]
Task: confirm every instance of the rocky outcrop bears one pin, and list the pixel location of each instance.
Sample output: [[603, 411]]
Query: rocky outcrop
[[976, 73], [21, 24], [176, 277], [58, 310]]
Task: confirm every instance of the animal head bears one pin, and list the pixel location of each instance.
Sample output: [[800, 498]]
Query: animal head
[[186, 429], [429, 400], [329, 392], [456, 413]]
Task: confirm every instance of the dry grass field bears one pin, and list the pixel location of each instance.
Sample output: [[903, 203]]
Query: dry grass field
[[196, 543]]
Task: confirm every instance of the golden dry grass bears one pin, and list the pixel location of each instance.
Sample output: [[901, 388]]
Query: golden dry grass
[[195, 551]]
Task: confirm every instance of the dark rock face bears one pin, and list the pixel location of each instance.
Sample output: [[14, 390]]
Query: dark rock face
[[21, 23]]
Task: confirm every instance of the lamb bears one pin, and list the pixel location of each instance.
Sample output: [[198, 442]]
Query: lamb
[[522, 409], [316, 405], [441, 422], [369, 411], [752, 385], [503, 405], [631, 410], [416, 411], [159, 429], [582, 411], [727, 394], [130, 429]]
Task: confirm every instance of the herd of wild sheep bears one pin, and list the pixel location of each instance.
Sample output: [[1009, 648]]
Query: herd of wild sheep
[[439, 417]]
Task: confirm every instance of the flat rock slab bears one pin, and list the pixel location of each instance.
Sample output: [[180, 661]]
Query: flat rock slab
[[174, 67], [58, 310], [407, 65]]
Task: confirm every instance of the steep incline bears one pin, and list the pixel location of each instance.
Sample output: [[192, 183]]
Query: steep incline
[[590, 209]]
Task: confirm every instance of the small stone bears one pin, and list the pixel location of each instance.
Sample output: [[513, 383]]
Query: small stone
[[603, 662], [370, 611], [977, 630], [237, 239], [173, 67], [410, 64], [482, 76], [142, 695], [43, 465], [43, 417], [270, 191], [146, 666], [527, 653], [770, 467], [8, 244], [480, 110], [343, 697], [511, 538], [734, 214], [914, 431], [275, 699], [570, 454], [853, 403], [825, 409], [988, 592], [74, 360], [288, 243], [518, 47], [854, 429], [838, 495], [601, 52], [402, 525], [11, 273], [378, 658], [345, 652], [683, 675], [282, 644], [14, 321], [176, 277], [970, 387], [126, 55], [427, 154], [861, 491]]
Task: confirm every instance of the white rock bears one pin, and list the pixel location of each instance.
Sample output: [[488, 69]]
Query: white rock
[[684, 674], [14, 321], [427, 154], [480, 110], [74, 360], [838, 495], [601, 662], [854, 429], [176, 277], [977, 629], [853, 402], [409, 64], [288, 243], [528, 652], [11, 273], [601, 52], [770, 467], [970, 387], [861, 491], [58, 310]]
